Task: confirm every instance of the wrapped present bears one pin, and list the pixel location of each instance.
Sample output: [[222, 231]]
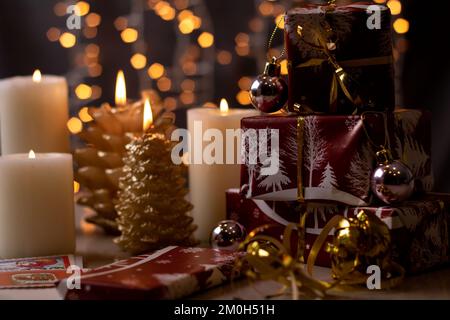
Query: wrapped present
[[170, 273], [329, 157], [340, 58], [39, 272], [419, 229]]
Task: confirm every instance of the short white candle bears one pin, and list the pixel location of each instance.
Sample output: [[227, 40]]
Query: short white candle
[[208, 182], [34, 113], [36, 205]]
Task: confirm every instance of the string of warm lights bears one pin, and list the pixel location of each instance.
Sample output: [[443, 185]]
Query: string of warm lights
[[84, 56], [189, 80]]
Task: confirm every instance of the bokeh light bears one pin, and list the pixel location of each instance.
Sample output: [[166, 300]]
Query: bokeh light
[[129, 35], [156, 71], [75, 125], [83, 7], [84, 115], [224, 57], [164, 84], [206, 40], [83, 91], [401, 26], [395, 6], [138, 61], [243, 98], [67, 40], [53, 34], [93, 20]]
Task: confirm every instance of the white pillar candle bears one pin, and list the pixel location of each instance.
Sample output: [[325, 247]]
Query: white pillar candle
[[208, 182], [34, 113], [36, 205]]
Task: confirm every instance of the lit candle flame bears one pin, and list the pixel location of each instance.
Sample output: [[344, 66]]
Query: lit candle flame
[[37, 76], [148, 115], [224, 106], [32, 155], [121, 89]]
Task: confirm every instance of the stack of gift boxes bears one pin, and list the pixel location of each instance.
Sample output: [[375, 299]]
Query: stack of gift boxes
[[341, 110]]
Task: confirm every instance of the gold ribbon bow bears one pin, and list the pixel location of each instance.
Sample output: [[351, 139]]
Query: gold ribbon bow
[[340, 79], [358, 243], [268, 258]]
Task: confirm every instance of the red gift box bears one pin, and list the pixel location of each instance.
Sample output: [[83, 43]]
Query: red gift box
[[337, 158], [170, 273], [419, 229], [322, 39]]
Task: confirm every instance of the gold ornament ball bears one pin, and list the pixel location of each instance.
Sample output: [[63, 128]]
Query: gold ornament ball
[[358, 243]]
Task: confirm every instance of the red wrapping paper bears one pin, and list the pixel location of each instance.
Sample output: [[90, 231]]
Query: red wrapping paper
[[338, 158], [364, 53], [419, 229], [170, 273]]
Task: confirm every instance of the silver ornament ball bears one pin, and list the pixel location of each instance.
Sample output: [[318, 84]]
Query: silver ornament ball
[[393, 182], [228, 235], [269, 92]]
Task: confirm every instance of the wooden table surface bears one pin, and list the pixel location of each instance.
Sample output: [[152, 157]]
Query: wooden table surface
[[98, 249]]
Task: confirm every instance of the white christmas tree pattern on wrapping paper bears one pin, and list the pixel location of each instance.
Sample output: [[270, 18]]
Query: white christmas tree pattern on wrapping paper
[[360, 170], [266, 154], [328, 178], [249, 145], [276, 182], [291, 146], [315, 156], [315, 148]]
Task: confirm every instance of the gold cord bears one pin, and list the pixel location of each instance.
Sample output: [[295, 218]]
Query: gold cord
[[272, 36]]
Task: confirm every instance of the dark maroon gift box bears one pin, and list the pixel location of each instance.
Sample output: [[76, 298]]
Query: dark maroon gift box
[[337, 158], [419, 229], [364, 53]]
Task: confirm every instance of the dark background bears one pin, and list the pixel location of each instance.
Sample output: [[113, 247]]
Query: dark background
[[424, 77]]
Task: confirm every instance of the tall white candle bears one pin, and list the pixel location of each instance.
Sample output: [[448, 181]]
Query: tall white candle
[[208, 182], [33, 114], [36, 205]]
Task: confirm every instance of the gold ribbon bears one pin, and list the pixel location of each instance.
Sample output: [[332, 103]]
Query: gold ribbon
[[268, 258], [300, 143], [320, 241], [340, 78], [348, 277]]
